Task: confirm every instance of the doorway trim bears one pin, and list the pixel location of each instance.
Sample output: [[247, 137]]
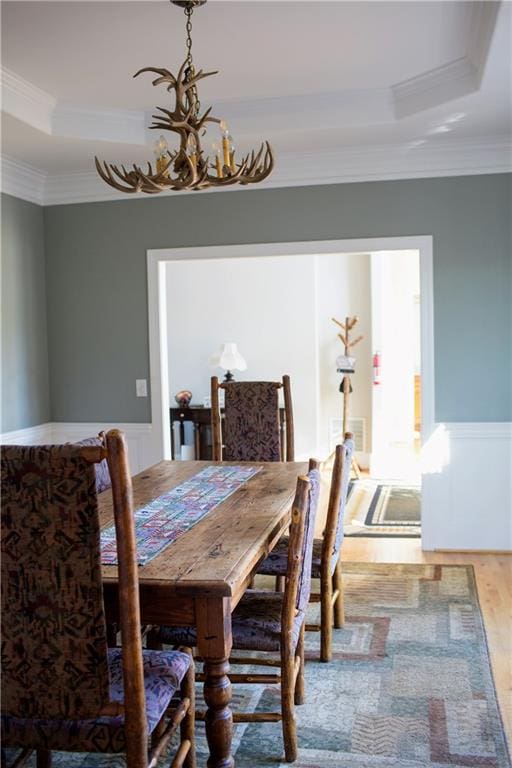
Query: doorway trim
[[157, 313]]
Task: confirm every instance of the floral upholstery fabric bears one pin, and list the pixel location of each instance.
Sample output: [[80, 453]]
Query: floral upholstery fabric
[[163, 673], [103, 481], [250, 430], [54, 648]]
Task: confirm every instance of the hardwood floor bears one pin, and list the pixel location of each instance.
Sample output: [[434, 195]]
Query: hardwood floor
[[494, 583]]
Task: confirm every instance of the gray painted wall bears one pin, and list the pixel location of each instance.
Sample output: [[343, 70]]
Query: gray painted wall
[[25, 387], [97, 293]]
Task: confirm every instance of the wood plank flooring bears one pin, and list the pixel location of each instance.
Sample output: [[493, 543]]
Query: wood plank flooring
[[494, 583]]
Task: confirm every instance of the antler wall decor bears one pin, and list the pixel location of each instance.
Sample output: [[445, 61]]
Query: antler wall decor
[[188, 167]]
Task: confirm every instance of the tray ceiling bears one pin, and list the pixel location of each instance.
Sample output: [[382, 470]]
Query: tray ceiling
[[410, 81]]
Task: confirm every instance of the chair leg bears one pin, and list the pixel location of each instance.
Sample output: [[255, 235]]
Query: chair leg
[[326, 618], [44, 758], [153, 642], [187, 726], [339, 605], [288, 708], [299, 695]]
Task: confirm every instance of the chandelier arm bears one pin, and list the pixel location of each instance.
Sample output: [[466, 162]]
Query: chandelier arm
[[255, 160], [165, 76], [106, 174], [226, 181], [207, 119], [261, 173], [130, 177]]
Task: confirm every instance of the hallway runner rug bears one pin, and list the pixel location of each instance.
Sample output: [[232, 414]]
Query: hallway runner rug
[[164, 519], [383, 509], [409, 686]]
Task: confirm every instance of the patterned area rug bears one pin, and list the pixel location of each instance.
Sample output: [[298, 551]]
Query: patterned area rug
[[409, 686], [387, 510]]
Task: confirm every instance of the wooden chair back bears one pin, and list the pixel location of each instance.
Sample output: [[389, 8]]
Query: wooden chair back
[[333, 534], [300, 549], [51, 576], [251, 428], [52, 601]]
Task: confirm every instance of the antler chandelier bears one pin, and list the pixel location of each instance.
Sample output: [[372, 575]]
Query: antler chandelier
[[188, 167]]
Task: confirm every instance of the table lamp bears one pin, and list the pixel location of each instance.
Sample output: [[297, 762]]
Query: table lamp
[[228, 358]]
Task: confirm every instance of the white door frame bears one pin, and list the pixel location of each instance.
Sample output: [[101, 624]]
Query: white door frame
[[157, 314]]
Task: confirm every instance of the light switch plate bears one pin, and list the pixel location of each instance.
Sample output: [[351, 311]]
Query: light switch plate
[[141, 387]]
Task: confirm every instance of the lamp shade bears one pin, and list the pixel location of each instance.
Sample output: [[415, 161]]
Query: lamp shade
[[228, 358]]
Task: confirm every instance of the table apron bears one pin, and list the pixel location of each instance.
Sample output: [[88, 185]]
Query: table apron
[[157, 606]]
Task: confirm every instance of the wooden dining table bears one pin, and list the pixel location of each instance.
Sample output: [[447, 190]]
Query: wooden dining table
[[199, 578]]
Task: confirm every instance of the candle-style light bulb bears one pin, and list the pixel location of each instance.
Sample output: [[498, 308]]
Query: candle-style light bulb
[[232, 148], [192, 149], [226, 141], [218, 162], [160, 148]]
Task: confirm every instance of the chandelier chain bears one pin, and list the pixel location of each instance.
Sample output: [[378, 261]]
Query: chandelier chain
[[191, 70]]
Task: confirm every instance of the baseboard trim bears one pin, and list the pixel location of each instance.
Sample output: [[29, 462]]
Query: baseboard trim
[[474, 551]]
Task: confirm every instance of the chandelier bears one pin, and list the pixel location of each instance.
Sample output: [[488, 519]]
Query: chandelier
[[188, 167]]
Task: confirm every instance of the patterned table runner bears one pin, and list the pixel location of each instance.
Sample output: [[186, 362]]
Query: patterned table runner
[[165, 519]]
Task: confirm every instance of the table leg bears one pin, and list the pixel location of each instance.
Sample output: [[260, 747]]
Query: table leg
[[214, 644], [219, 718]]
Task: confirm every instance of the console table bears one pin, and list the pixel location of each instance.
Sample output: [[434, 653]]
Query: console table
[[201, 417]]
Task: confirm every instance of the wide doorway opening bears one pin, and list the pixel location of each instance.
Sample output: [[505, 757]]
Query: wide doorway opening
[[277, 303]]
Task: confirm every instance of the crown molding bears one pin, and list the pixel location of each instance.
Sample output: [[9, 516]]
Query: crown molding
[[439, 85], [21, 180], [483, 21], [122, 126], [367, 106], [456, 78], [26, 102], [348, 165]]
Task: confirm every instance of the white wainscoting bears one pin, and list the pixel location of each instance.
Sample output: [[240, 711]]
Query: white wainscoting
[[138, 436], [467, 498], [466, 490]]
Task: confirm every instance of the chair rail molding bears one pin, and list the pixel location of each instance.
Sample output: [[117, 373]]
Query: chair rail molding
[[138, 437]]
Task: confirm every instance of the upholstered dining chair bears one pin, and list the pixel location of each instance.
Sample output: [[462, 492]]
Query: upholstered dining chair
[[250, 429], [274, 621], [62, 688], [103, 481], [326, 563]]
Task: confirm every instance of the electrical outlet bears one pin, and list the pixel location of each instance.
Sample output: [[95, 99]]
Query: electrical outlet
[[141, 387]]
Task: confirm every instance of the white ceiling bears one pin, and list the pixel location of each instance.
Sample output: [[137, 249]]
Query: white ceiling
[[343, 90]]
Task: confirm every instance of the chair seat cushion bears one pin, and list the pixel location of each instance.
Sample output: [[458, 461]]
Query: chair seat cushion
[[163, 673], [275, 563], [256, 624]]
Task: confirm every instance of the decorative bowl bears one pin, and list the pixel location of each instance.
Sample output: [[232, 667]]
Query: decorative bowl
[[183, 398]]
